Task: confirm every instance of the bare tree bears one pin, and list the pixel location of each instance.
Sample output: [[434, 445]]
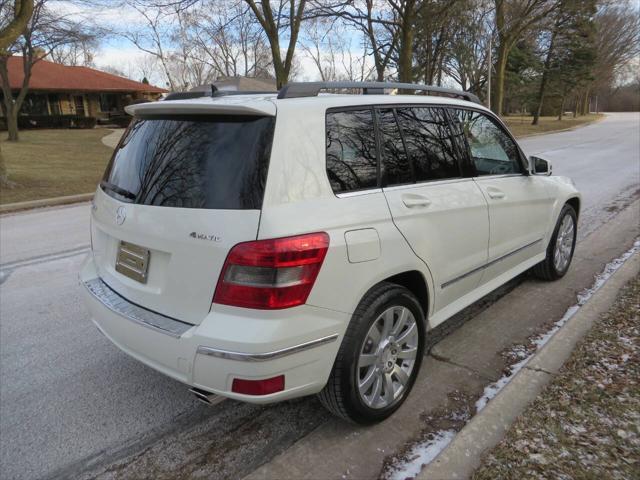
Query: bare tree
[[617, 42], [231, 40], [512, 19], [375, 21], [287, 16], [81, 53], [466, 57], [154, 38], [146, 66], [14, 21], [44, 32], [329, 45]]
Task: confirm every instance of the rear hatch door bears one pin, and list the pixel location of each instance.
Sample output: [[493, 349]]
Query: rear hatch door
[[180, 191]]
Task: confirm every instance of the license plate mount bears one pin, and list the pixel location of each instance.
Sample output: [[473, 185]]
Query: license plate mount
[[133, 261]]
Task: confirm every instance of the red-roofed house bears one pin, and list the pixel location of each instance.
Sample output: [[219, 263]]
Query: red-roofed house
[[56, 89]]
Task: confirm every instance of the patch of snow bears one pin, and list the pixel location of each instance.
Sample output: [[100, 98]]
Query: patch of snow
[[493, 389], [421, 455]]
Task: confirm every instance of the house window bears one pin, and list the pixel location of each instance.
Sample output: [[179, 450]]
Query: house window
[[108, 102], [34, 105], [54, 104]]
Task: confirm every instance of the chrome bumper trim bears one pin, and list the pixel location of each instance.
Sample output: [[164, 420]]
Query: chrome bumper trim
[[117, 304], [263, 357]]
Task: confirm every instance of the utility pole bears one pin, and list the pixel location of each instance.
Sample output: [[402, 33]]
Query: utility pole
[[489, 72]]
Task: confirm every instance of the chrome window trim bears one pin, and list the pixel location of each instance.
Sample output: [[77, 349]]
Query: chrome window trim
[[489, 264], [426, 183], [357, 193], [123, 307], [502, 175], [263, 357]]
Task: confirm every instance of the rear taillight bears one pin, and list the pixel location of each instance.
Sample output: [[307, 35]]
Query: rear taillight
[[271, 274]]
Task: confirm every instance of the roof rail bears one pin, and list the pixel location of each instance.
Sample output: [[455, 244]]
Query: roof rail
[[311, 89], [210, 90]]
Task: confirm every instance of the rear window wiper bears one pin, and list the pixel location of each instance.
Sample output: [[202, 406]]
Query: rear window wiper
[[120, 191]]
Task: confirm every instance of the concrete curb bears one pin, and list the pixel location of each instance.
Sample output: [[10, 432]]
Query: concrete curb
[[45, 202], [464, 454]]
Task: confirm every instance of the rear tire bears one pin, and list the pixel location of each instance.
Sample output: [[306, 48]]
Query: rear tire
[[561, 247], [379, 357]]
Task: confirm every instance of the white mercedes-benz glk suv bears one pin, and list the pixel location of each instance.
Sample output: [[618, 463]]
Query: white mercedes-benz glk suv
[[266, 246]]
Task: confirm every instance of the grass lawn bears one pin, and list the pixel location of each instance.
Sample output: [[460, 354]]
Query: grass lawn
[[53, 163], [520, 125]]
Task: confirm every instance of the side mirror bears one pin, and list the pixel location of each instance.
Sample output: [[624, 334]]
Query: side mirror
[[539, 166]]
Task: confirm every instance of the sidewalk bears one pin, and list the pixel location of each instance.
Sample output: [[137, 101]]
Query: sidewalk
[[585, 422], [465, 453]]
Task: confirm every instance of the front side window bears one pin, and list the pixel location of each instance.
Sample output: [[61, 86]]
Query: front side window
[[351, 150], [493, 152], [428, 139], [395, 163]]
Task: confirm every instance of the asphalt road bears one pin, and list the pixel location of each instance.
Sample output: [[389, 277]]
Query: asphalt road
[[69, 399]]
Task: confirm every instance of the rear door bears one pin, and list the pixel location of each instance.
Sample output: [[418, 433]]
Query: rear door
[[180, 191], [442, 214], [519, 204]]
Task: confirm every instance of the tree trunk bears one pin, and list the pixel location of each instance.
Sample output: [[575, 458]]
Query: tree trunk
[[12, 124], [497, 98], [405, 60], [585, 102], [544, 80], [560, 115], [4, 175], [4, 178]]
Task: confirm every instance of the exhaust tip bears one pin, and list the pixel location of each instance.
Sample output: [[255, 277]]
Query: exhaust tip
[[205, 397]]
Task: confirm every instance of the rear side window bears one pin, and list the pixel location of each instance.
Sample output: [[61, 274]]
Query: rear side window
[[351, 150], [428, 138], [395, 162], [213, 162]]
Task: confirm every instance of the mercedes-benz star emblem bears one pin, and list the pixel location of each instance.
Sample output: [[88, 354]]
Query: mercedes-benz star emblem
[[121, 215]]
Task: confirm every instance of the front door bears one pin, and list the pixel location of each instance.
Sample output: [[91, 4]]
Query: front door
[[442, 214], [519, 204], [78, 101]]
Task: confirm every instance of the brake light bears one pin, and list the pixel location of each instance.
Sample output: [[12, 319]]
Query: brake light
[[271, 274], [258, 387]]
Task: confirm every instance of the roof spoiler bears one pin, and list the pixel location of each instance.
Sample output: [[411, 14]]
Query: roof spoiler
[[257, 108]]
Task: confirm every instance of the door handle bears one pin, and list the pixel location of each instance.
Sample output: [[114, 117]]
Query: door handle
[[413, 200], [495, 193]]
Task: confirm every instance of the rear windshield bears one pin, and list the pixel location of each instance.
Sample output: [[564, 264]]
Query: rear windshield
[[215, 162]]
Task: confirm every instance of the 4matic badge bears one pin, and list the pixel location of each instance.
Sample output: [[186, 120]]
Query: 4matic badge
[[204, 236]]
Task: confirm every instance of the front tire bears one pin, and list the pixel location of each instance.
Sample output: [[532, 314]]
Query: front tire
[[379, 358], [561, 247]]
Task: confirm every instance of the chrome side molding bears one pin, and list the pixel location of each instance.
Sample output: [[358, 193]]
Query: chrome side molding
[[263, 357], [123, 307], [487, 265]]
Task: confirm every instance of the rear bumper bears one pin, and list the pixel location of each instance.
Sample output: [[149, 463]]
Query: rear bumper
[[300, 343]]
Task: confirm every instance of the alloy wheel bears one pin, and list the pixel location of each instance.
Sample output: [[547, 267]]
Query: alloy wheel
[[387, 357], [564, 244]]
